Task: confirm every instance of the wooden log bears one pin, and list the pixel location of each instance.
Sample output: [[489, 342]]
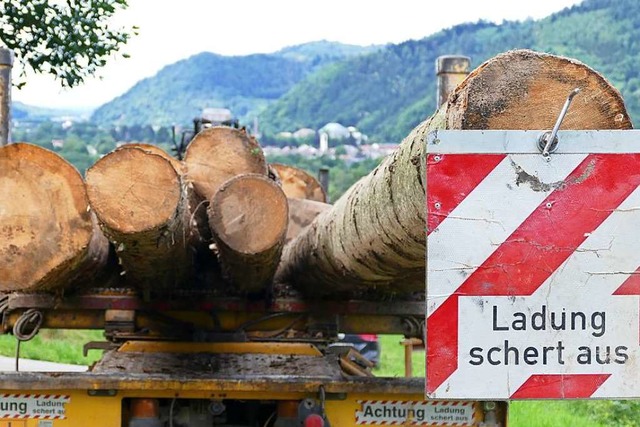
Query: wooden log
[[49, 238], [248, 217], [154, 149], [199, 226], [219, 153], [302, 212], [373, 239], [141, 203], [298, 184]]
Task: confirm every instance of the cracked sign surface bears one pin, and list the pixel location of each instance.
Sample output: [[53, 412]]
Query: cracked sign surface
[[533, 266]]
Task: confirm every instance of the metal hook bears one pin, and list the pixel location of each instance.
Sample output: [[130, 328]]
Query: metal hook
[[549, 139]]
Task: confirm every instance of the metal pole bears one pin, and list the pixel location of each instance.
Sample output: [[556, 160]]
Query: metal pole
[[6, 62], [451, 71], [323, 177]]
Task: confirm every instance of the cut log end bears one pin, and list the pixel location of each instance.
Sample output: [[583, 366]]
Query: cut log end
[[298, 184], [47, 236], [154, 149], [523, 89], [248, 217], [218, 154], [302, 212], [249, 213], [132, 190]]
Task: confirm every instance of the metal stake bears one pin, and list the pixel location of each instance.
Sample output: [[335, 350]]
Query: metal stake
[[323, 177], [549, 138], [451, 70], [6, 62]]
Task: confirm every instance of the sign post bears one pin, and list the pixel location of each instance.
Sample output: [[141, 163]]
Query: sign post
[[533, 265]]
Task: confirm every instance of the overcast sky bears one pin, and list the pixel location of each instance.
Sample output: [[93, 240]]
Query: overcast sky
[[171, 30]]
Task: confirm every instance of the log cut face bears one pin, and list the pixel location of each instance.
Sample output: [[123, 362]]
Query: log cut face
[[140, 201], [248, 217], [219, 153], [528, 90], [373, 239], [298, 184], [48, 236], [198, 227], [302, 212]]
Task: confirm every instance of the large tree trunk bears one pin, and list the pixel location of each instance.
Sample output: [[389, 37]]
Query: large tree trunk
[[141, 202], [218, 154], [248, 219], [373, 239], [49, 238], [298, 184]]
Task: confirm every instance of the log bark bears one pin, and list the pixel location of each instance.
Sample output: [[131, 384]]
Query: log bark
[[49, 238], [373, 239], [302, 212], [219, 153], [248, 217], [141, 203], [298, 184]]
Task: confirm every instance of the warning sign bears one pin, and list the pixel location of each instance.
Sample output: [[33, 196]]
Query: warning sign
[[398, 412], [36, 406], [533, 265]]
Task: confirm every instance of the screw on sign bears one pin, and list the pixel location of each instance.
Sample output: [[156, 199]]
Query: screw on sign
[[533, 278]]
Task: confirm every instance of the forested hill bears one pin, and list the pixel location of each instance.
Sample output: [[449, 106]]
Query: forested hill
[[385, 94], [245, 84]]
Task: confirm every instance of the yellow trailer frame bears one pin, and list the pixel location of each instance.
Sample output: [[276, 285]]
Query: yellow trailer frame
[[273, 373]]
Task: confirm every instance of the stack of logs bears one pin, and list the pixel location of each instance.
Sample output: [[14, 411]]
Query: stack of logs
[[159, 215], [163, 219]]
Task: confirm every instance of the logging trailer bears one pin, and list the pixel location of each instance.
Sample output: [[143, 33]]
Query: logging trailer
[[199, 356]]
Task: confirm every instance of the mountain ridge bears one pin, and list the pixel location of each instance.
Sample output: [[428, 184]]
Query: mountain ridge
[[384, 91], [179, 91], [388, 93]]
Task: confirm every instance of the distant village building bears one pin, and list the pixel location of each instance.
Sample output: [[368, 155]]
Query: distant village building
[[284, 135], [304, 133], [375, 151], [324, 142], [217, 115], [357, 136], [335, 131]]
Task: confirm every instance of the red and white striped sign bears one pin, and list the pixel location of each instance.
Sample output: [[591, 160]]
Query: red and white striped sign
[[533, 266], [33, 406]]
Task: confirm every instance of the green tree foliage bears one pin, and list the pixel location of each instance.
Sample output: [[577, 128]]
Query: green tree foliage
[[84, 142], [68, 39]]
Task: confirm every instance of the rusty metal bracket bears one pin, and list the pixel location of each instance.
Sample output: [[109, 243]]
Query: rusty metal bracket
[[98, 345], [119, 321]]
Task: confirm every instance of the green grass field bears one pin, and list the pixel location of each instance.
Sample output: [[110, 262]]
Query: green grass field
[[62, 346], [66, 347]]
